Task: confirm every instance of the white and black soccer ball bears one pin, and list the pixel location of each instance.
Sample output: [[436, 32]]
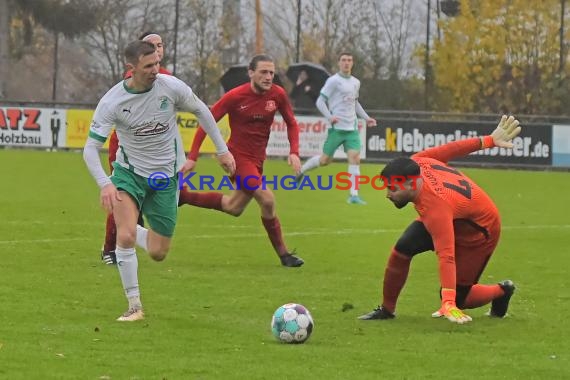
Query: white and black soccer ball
[[292, 323]]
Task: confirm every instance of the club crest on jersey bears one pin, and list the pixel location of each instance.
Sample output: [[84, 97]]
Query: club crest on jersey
[[270, 106], [163, 102]]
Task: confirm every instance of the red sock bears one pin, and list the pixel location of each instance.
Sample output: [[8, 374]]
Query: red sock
[[204, 200], [110, 234], [480, 295], [185, 197], [273, 228], [395, 277]]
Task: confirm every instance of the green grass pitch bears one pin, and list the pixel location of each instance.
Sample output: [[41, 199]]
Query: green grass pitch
[[209, 304]]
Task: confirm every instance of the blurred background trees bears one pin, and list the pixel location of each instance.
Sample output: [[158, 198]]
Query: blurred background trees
[[485, 56]]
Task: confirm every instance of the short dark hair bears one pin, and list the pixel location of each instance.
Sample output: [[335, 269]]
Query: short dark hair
[[401, 166], [135, 49], [344, 53], [259, 58]]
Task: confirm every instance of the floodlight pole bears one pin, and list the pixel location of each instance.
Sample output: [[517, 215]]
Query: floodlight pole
[[298, 47], [562, 50], [427, 68], [258, 28], [176, 14], [55, 66]]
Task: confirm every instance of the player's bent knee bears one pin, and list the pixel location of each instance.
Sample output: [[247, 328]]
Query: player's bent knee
[[126, 238], [234, 211], [158, 254], [267, 205]]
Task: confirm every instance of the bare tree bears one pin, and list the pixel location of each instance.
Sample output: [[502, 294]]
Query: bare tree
[[201, 46], [4, 45], [120, 22], [231, 28], [390, 30]]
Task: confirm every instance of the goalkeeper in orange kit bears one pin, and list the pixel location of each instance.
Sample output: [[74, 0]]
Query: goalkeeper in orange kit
[[457, 220]]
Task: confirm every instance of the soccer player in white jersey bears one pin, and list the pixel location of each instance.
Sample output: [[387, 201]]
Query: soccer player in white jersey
[[338, 102], [142, 108]]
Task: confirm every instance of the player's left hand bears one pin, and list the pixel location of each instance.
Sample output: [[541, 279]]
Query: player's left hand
[[188, 166], [371, 122], [450, 311], [295, 162], [227, 162], [507, 129]]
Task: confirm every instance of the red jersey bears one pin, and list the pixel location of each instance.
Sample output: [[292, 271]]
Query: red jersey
[[250, 117], [453, 208]]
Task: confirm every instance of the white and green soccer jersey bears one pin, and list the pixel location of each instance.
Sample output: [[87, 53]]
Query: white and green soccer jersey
[[341, 95], [146, 124]]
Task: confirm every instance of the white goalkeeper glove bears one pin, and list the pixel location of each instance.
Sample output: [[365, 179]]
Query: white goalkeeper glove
[[507, 129]]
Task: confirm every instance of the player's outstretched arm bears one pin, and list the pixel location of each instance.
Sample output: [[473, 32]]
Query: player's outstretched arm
[[507, 129]]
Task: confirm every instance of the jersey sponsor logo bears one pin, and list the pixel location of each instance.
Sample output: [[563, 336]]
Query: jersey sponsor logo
[[151, 129], [128, 110], [242, 107], [270, 106], [163, 103]]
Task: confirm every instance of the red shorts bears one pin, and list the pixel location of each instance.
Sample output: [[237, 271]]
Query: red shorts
[[113, 148], [472, 252], [249, 174]]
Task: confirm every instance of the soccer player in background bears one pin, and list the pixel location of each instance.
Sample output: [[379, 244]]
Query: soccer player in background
[[457, 220], [142, 108], [338, 102], [251, 108]]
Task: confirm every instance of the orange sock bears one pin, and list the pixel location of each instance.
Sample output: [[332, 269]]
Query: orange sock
[[480, 295]]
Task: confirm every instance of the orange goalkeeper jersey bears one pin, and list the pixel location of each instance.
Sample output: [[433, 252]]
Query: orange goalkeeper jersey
[[453, 208]]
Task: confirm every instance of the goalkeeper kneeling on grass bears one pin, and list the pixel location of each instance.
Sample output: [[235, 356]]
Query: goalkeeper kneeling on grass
[[457, 220]]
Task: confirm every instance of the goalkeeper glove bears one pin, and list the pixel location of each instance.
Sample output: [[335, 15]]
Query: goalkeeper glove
[[507, 129], [449, 310], [452, 313]]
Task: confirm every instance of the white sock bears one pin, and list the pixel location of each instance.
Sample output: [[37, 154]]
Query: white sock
[[312, 163], [135, 302], [142, 237], [128, 264], [354, 170]]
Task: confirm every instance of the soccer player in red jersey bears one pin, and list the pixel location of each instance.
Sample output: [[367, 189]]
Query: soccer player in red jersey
[[457, 220], [251, 108], [108, 252]]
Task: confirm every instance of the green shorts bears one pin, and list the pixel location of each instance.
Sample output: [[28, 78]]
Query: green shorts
[[160, 207], [337, 137]]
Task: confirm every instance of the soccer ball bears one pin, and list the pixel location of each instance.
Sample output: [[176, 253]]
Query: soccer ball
[[292, 323]]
